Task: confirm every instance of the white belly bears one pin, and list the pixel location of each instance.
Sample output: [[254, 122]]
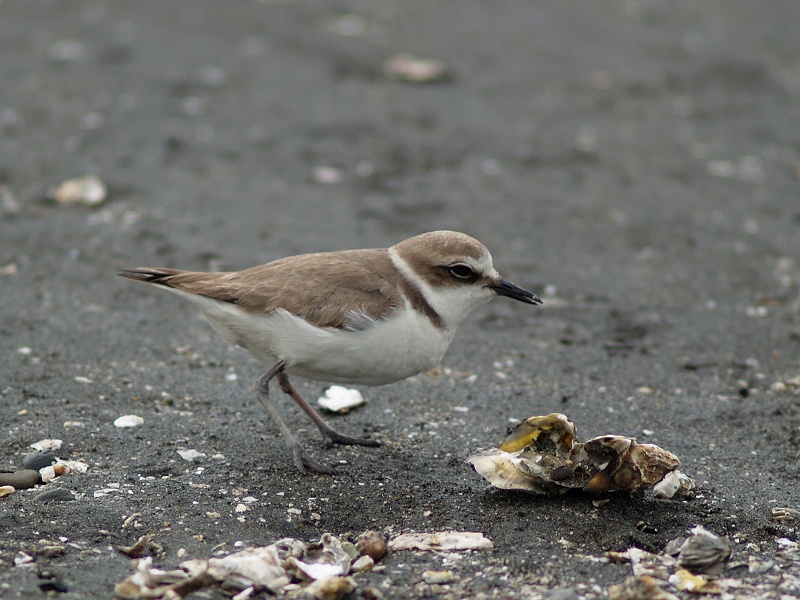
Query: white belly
[[391, 350]]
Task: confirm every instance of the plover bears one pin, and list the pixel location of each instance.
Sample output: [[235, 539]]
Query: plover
[[359, 317]]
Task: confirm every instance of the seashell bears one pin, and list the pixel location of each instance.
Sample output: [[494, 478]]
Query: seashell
[[543, 455], [373, 544], [554, 431]]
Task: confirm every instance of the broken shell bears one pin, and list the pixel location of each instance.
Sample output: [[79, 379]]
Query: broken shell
[[437, 576], [47, 474], [88, 190], [553, 433], [685, 581], [333, 588], [444, 540], [351, 549], [373, 544], [507, 471], [784, 515], [287, 547], [705, 552], [320, 560], [625, 464], [312, 571], [674, 485], [139, 548], [338, 399], [362, 564], [259, 565], [47, 444], [5, 490], [644, 563]]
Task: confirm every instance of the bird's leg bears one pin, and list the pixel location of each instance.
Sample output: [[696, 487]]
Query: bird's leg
[[325, 429], [298, 454]]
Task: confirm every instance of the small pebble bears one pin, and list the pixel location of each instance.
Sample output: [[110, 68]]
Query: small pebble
[[39, 460], [55, 495], [20, 480]]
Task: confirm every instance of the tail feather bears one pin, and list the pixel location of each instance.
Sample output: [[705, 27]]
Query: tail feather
[[150, 275]]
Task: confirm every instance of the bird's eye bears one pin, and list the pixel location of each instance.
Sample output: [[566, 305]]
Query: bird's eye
[[461, 271]]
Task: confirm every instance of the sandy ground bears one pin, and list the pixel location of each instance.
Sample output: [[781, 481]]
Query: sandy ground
[[634, 162]]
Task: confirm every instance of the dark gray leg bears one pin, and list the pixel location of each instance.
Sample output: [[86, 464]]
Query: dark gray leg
[[326, 430], [298, 454]]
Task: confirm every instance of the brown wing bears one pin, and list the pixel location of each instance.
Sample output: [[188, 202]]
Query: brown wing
[[322, 288]]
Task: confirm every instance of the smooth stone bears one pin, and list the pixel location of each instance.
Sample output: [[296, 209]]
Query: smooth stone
[[55, 495], [39, 460], [21, 480]]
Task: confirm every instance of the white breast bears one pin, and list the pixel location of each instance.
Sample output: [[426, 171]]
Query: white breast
[[405, 344]]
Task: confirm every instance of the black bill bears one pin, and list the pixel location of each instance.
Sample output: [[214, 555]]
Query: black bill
[[512, 290]]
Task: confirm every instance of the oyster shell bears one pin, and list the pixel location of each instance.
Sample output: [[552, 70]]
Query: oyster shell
[[543, 455]]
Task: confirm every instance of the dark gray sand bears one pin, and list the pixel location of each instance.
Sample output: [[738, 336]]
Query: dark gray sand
[[634, 163]]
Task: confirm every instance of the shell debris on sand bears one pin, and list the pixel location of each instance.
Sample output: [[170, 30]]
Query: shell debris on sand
[[687, 564], [317, 569], [543, 455]]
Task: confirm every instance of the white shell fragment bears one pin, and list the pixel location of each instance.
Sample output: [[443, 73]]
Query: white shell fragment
[[543, 455], [128, 421], [5, 490], [191, 454], [88, 191], [338, 399], [413, 69], [674, 485], [443, 540], [47, 444]]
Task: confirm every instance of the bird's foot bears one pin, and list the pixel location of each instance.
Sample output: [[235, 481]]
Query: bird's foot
[[339, 438], [304, 463]]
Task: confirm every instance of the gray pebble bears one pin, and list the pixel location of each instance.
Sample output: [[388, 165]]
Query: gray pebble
[[21, 480], [39, 460], [55, 495]]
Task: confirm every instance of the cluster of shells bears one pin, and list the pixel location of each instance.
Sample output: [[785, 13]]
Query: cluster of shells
[[543, 455]]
